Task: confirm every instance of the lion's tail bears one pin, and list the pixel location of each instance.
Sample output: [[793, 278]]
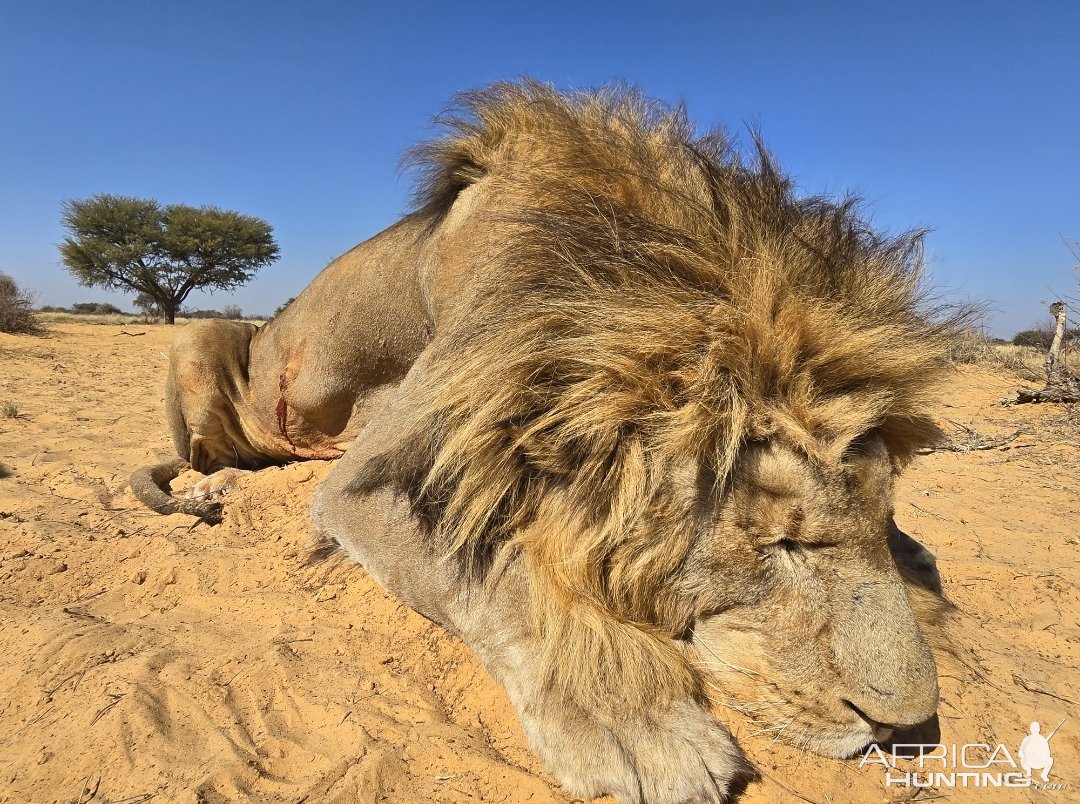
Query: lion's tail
[[149, 485]]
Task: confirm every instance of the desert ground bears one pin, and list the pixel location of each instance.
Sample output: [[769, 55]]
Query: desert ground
[[157, 658]]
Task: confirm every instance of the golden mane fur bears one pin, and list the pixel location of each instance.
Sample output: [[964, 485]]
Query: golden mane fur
[[659, 301]]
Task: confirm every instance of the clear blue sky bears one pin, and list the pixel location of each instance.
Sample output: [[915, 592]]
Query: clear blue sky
[[963, 116]]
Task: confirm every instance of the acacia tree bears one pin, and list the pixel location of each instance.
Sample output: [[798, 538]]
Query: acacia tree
[[162, 251]]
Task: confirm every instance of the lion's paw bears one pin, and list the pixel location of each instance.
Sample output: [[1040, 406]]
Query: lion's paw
[[675, 756], [218, 483]]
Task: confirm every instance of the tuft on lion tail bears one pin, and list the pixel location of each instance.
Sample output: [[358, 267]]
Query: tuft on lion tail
[[149, 485]]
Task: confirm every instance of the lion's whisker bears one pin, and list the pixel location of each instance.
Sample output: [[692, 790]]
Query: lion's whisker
[[724, 662]]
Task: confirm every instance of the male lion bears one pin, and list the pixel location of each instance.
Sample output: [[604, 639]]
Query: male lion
[[625, 415]]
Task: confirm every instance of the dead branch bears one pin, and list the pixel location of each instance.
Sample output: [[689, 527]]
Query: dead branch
[[1030, 686], [973, 441], [1062, 385], [1065, 396]]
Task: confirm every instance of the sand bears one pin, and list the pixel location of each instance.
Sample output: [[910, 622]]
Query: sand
[[146, 657]]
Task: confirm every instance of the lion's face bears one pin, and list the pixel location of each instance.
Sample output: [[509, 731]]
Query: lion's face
[[805, 623]]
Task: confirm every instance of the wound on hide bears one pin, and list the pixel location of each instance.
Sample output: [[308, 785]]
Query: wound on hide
[[283, 410]]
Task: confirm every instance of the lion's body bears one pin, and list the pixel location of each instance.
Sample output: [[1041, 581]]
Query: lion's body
[[623, 413], [296, 388]]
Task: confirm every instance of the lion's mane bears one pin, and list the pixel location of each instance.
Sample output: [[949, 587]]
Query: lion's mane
[[658, 300]]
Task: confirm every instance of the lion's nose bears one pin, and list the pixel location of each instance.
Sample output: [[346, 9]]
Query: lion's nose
[[887, 668], [896, 710]]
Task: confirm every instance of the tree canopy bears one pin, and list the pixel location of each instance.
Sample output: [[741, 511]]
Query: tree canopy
[[162, 251]]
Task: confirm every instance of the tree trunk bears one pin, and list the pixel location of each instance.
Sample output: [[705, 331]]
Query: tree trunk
[[168, 312], [1061, 384], [1054, 364]]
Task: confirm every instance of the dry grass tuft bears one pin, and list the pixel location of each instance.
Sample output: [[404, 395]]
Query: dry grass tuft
[[119, 319], [971, 348], [57, 317], [9, 410], [1025, 361]]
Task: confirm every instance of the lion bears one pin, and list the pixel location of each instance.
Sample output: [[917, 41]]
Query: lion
[[618, 408]]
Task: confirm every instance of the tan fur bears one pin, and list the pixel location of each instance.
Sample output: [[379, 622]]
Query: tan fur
[[625, 415], [659, 302], [301, 386]]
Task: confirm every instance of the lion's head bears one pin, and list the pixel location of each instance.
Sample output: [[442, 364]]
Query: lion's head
[[805, 623], [681, 393]]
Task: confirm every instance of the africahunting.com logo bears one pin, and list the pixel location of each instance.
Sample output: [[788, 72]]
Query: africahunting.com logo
[[970, 765]]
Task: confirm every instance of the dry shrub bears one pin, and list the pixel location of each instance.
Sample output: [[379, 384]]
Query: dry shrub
[[970, 347], [16, 308]]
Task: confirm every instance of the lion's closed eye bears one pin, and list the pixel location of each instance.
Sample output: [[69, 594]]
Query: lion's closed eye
[[791, 546]]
